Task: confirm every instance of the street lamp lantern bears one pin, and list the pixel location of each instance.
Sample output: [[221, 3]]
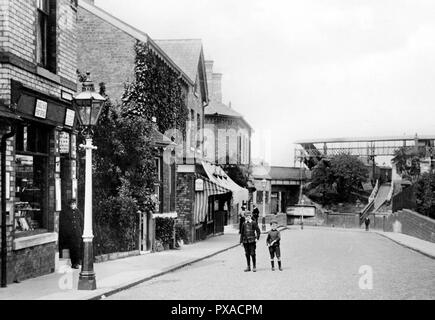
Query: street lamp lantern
[[88, 105], [264, 185]]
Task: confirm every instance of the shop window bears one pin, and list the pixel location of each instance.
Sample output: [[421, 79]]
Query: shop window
[[46, 34], [31, 163]]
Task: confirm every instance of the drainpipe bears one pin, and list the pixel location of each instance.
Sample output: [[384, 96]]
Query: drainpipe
[[4, 252]]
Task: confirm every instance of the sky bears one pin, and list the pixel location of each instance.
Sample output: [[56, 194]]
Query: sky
[[308, 69]]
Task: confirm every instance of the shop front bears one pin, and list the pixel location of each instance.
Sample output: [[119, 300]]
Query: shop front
[[41, 180]]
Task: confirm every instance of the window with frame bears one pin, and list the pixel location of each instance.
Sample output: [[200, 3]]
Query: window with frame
[[198, 131], [46, 34], [31, 167], [172, 183], [259, 196], [158, 185], [192, 128]]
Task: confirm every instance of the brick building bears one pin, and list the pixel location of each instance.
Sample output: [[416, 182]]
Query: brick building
[[228, 134], [37, 82], [108, 53], [228, 141]]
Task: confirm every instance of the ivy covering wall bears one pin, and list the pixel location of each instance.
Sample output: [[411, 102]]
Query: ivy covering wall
[[124, 167], [156, 92]]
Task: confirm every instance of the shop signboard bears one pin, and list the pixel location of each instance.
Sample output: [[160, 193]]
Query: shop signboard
[[64, 145], [301, 211], [70, 117], [199, 185], [41, 109]]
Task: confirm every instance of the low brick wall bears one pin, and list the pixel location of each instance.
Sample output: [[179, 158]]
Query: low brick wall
[[31, 262], [342, 220], [412, 224], [116, 256], [281, 218]]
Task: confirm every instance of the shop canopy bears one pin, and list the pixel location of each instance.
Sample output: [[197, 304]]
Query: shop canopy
[[217, 175], [201, 199]]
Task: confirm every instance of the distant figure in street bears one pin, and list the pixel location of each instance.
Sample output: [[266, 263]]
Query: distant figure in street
[[255, 214], [273, 242], [249, 236], [73, 232], [241, 218], [367, 223]]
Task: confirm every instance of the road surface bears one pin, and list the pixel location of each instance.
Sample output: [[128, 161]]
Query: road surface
[[318, 264]]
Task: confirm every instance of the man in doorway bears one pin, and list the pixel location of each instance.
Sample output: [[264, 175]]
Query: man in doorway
[[73, 228], [255, 214], [250, 234]]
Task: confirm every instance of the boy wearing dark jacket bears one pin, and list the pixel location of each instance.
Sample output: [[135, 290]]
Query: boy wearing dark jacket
[[273, 242], [249, 235]]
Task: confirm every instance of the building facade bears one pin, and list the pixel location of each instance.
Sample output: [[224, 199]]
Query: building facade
[[108, 53], [38, 49], [228, 134]]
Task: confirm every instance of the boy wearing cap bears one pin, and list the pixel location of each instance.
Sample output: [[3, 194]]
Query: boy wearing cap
[[273, 242], [249, 235]]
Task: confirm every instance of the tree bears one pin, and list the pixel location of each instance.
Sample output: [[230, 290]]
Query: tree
[[335, 179], [407, 161], [349, 173], [425, 195], [238, 174]]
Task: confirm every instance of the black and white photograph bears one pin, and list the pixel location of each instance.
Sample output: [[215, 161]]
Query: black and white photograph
[[231, 152]]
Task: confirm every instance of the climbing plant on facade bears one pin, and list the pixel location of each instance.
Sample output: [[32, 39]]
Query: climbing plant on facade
[[156, 92]]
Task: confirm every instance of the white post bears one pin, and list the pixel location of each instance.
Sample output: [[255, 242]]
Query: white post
[[87, 280], [87, 230]]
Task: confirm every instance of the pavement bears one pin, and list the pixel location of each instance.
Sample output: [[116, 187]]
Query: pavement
[[113, 276], [116, 276]]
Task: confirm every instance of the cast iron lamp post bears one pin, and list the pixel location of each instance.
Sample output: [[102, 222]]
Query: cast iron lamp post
[[264, 185], [88, 105]]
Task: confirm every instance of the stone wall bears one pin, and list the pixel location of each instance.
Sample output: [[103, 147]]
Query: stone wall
[[412, 224]]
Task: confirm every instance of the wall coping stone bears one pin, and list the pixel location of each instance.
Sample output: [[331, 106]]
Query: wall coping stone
[[33, 241], [416, 214]]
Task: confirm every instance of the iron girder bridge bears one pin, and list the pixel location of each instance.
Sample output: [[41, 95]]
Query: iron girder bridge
[[311, 151]]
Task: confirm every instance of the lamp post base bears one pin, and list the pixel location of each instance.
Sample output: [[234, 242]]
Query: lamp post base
[[263, 221], [87, 279], [87, 282]]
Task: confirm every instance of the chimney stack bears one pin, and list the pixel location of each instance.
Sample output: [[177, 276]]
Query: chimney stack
[[214, 82]]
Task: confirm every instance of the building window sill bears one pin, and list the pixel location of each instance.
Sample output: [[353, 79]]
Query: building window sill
[[33, 241], [47, 74]]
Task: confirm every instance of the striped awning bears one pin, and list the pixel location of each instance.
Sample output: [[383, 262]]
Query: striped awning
[[201, 199]]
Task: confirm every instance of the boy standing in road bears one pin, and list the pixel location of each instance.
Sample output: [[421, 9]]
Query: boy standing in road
[[273, 242], [249, 235]]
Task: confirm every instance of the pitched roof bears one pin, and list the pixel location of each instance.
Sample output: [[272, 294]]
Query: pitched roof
[[220, 109], [186, 53], [135, 33], [216, 108], [159, 138]]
